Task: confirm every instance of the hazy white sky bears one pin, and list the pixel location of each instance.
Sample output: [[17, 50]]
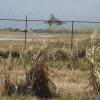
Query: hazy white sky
[[41, 9]]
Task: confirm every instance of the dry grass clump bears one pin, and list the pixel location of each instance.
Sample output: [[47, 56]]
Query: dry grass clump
[[37, 81], [10, 87], [5, 54], [93, 66], [60, 55]]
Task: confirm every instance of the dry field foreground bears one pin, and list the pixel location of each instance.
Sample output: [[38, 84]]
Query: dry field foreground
[[72, 84]]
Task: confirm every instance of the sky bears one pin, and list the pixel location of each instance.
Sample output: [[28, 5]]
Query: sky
[[41, 9]]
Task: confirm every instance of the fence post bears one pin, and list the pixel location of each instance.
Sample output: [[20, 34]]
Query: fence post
[[72, 33], [26, 31]]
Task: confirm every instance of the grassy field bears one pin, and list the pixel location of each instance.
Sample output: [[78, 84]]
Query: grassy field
[[70, 70]]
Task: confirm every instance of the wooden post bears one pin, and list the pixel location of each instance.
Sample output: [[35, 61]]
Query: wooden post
[[72, 35], [26, 31]]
